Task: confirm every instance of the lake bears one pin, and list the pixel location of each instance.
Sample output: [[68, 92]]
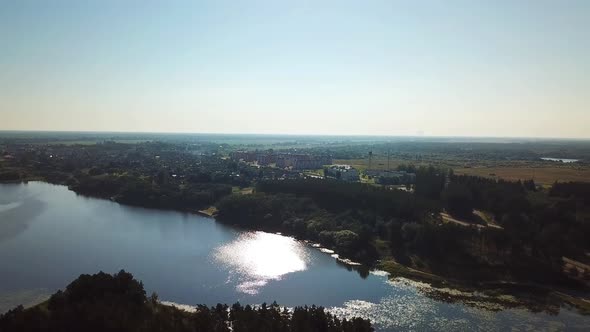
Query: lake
[[49, 236], [561, 160]]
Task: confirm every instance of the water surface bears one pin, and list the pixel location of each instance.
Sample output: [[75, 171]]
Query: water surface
[[49, 236], [561, 160]]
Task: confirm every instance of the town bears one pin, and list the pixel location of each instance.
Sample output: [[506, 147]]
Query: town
[[187, 162]]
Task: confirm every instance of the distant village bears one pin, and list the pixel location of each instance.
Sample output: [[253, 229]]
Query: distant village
[[289, 161], [184, 163]]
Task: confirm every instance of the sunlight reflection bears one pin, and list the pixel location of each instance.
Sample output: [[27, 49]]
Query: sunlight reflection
[[257, 257]]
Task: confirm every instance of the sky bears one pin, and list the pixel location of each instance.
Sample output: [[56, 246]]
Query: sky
[[437, 68]]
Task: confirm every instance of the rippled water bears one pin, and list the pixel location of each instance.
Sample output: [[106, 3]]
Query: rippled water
[[408, 309], [49, 235], [255, 258]]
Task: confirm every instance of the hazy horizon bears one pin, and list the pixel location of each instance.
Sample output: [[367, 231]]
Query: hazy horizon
[[402, 137], [335, 68]]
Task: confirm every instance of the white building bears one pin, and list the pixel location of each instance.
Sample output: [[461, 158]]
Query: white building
[[343, 172]]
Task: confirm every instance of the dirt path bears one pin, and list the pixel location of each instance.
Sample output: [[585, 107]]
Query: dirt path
[[447, 218]]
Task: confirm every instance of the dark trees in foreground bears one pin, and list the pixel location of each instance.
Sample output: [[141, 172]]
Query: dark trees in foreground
[[458, 200], [104, 302]]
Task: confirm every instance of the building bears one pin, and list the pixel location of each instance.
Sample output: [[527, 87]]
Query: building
[[265, 159], [249, 156], [282, 160], [343, 172]]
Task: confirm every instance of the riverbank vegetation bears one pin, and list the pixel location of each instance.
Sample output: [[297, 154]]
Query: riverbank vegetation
[[104, 302], [532, 232]]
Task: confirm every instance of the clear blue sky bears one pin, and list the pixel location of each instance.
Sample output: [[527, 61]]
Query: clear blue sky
[[458, 68]]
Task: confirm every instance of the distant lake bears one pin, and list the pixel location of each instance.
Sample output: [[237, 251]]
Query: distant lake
[[49, 236], [563, 160]]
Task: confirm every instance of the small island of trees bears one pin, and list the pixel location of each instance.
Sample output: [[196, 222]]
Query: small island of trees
[[104, 302]]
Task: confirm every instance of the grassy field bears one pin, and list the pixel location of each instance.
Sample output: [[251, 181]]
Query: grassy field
[[542, 173]]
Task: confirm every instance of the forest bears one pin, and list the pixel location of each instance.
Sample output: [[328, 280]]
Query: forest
[[532, 229], [104, 302]]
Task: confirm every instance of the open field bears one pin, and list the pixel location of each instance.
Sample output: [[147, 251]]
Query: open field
[[543, 173]]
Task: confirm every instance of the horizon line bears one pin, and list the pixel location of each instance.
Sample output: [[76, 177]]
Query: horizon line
[[286, 134]]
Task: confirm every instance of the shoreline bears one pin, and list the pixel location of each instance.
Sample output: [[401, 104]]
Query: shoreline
[[394, 269], [504, 293], [208, 212]]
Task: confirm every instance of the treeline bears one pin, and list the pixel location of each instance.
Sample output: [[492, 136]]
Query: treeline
[[430, 180], [337, 196], [579, 191], [535, 228], [106, 169], [544, 225], [10, 176], [146, 192], [355, 219], [301, 217], [419, 151], [345, 216], [497, 196], [104, 302]]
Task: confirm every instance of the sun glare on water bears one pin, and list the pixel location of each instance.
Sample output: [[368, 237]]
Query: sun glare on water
[[257, 257]]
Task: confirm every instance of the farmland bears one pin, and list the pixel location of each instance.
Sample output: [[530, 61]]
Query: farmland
[[544, 173]]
